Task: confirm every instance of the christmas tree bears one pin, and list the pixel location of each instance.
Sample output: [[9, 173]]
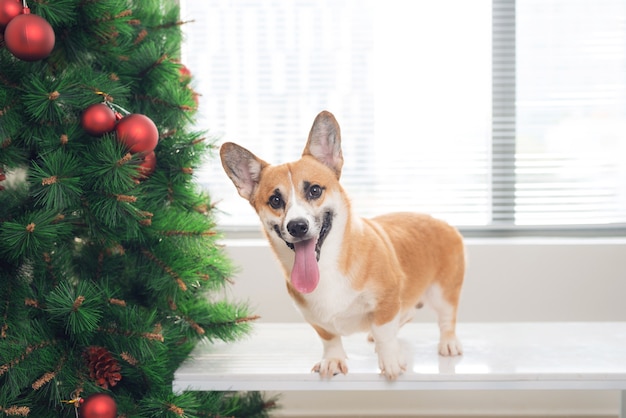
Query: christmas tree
[[110, 272]]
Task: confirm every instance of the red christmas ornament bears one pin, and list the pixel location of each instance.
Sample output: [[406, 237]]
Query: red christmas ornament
[[147, 166], [98, 119], [8, 10], [29, 37], [185, 74], [98, 405], [4, 177], [138, 133]]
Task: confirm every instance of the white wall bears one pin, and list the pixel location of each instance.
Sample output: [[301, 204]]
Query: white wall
[[507, 280], [530, 279]]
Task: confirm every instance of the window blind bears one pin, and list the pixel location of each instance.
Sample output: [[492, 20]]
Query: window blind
[[489, 114]]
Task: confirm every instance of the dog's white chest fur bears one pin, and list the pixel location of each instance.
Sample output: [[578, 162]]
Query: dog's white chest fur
[[337, 307]]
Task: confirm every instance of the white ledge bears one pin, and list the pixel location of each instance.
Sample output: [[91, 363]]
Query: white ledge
[[498, 356]]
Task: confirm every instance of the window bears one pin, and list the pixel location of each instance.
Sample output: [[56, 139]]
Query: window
[[491, 115]]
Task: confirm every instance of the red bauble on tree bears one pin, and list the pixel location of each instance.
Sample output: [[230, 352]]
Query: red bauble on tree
[[98, 119], [8, 10], [29, 37], [185, 74], [99, 405], [138, 133], [147, 166], [4, 177]]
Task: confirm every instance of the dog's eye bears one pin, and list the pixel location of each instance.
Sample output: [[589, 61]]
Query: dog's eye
[[315, 191], [276, 201]]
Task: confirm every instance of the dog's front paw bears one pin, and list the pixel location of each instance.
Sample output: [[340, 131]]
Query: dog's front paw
[[328, 368], [391, 362], [450, 347]]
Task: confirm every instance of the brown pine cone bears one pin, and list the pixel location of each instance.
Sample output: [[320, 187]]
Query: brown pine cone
[[103, 368]]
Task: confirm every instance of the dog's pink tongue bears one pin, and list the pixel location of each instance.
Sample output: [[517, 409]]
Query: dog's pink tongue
[[305, 273]]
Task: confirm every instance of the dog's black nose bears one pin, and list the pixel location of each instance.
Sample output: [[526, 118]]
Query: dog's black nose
[[298, 228]]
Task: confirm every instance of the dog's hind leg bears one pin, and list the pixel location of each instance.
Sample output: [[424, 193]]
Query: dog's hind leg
[[391, 357], [449, 344]]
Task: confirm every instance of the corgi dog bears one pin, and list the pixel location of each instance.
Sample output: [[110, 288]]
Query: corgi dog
[[348, 274]]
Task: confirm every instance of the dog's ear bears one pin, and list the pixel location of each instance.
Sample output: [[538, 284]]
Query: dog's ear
[[324, 142], [243, 168]]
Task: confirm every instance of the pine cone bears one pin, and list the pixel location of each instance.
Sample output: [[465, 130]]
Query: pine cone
[[103, 368]]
